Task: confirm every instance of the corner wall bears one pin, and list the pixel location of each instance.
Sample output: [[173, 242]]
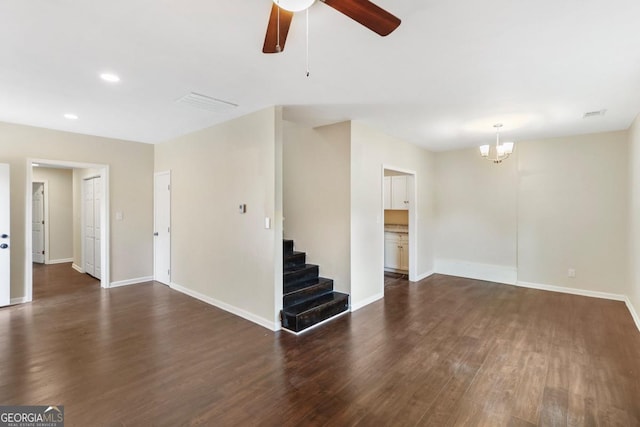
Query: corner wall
[[219, 255], [60, 227], [317, 197], [556, 204], [370, 150], [634, 220]]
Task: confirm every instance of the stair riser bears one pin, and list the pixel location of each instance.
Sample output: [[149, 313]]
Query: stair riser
[[307, 293], [287, 246], [301, 275], [294, 260], [308, 319]]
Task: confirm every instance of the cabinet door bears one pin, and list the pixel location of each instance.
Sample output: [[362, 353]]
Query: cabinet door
[[399, 193], [404, 256], [387, 192], [391, 254]]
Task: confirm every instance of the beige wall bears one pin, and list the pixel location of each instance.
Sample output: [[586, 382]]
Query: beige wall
[[476, 211], [573, 212], [634, 217], [60, 202], [370, 150], [317, 197], [131, 185], [557, 204], [218, 254]]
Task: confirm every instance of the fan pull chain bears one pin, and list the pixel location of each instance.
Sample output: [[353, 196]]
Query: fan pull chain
[[308, 73]]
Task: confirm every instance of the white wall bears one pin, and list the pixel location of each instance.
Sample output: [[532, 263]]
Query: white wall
[[131, 186], [60, 202], [556, 204], [219, 255], [476, 204], [317, 197], [370, 150], [634, 219]]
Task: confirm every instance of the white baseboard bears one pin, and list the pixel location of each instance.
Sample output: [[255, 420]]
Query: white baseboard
[[59, 261], [366, 301], [478, 271], [424, 275], [19, 300], [77, 268], [128, 282], [573, 291], [273, 326], [634, 313]]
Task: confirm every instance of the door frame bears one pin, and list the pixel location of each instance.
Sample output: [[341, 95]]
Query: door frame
[[45, 183], [104, 220], [413, 219]]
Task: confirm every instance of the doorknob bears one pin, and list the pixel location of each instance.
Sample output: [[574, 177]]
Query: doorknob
[[155, 234], [4, 236], [4, 246]]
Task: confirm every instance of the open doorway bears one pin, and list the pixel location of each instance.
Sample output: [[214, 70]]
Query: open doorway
[[399, 213], [58, 193]]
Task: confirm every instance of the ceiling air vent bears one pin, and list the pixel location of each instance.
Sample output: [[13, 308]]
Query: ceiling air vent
[[594, 114], [205, 102]]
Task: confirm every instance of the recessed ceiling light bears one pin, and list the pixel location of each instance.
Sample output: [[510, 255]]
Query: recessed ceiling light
[[71, 116], [110, 77]]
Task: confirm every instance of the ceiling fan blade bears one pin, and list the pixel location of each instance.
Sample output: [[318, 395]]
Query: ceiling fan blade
[[368, 14], [273, 43]]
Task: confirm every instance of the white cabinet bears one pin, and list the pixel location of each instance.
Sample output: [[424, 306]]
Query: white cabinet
[[396, 192], [396, 251], [387, 192]]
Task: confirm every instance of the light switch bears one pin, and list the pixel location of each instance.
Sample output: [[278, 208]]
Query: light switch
[[242, 208], [119, 216], [267, 223]]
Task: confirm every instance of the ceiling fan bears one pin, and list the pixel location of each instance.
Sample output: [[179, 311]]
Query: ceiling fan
[[363, 11]]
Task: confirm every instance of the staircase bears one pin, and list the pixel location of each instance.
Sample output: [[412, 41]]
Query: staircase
[[307, 298]]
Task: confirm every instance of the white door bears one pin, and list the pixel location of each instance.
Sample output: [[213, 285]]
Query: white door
[[5, 243], [162, 227], [91, 211], [37, 226]]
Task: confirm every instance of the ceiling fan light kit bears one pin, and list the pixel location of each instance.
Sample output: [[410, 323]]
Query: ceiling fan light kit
[[364, 12], [294, 5], [501, 150]]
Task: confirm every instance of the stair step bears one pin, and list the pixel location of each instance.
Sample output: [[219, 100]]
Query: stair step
[[295, 258], [287, 246], [308, 313], [303, 291], [300, 273]]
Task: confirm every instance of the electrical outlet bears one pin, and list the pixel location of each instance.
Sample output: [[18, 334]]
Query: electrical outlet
[[571, 272]]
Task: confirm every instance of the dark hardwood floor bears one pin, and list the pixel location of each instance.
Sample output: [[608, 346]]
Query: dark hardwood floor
[[444, 351]]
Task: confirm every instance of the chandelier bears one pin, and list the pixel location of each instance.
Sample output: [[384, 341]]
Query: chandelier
[[500, 151]]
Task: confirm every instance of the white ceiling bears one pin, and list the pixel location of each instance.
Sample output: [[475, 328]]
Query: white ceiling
[[449, 72]]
